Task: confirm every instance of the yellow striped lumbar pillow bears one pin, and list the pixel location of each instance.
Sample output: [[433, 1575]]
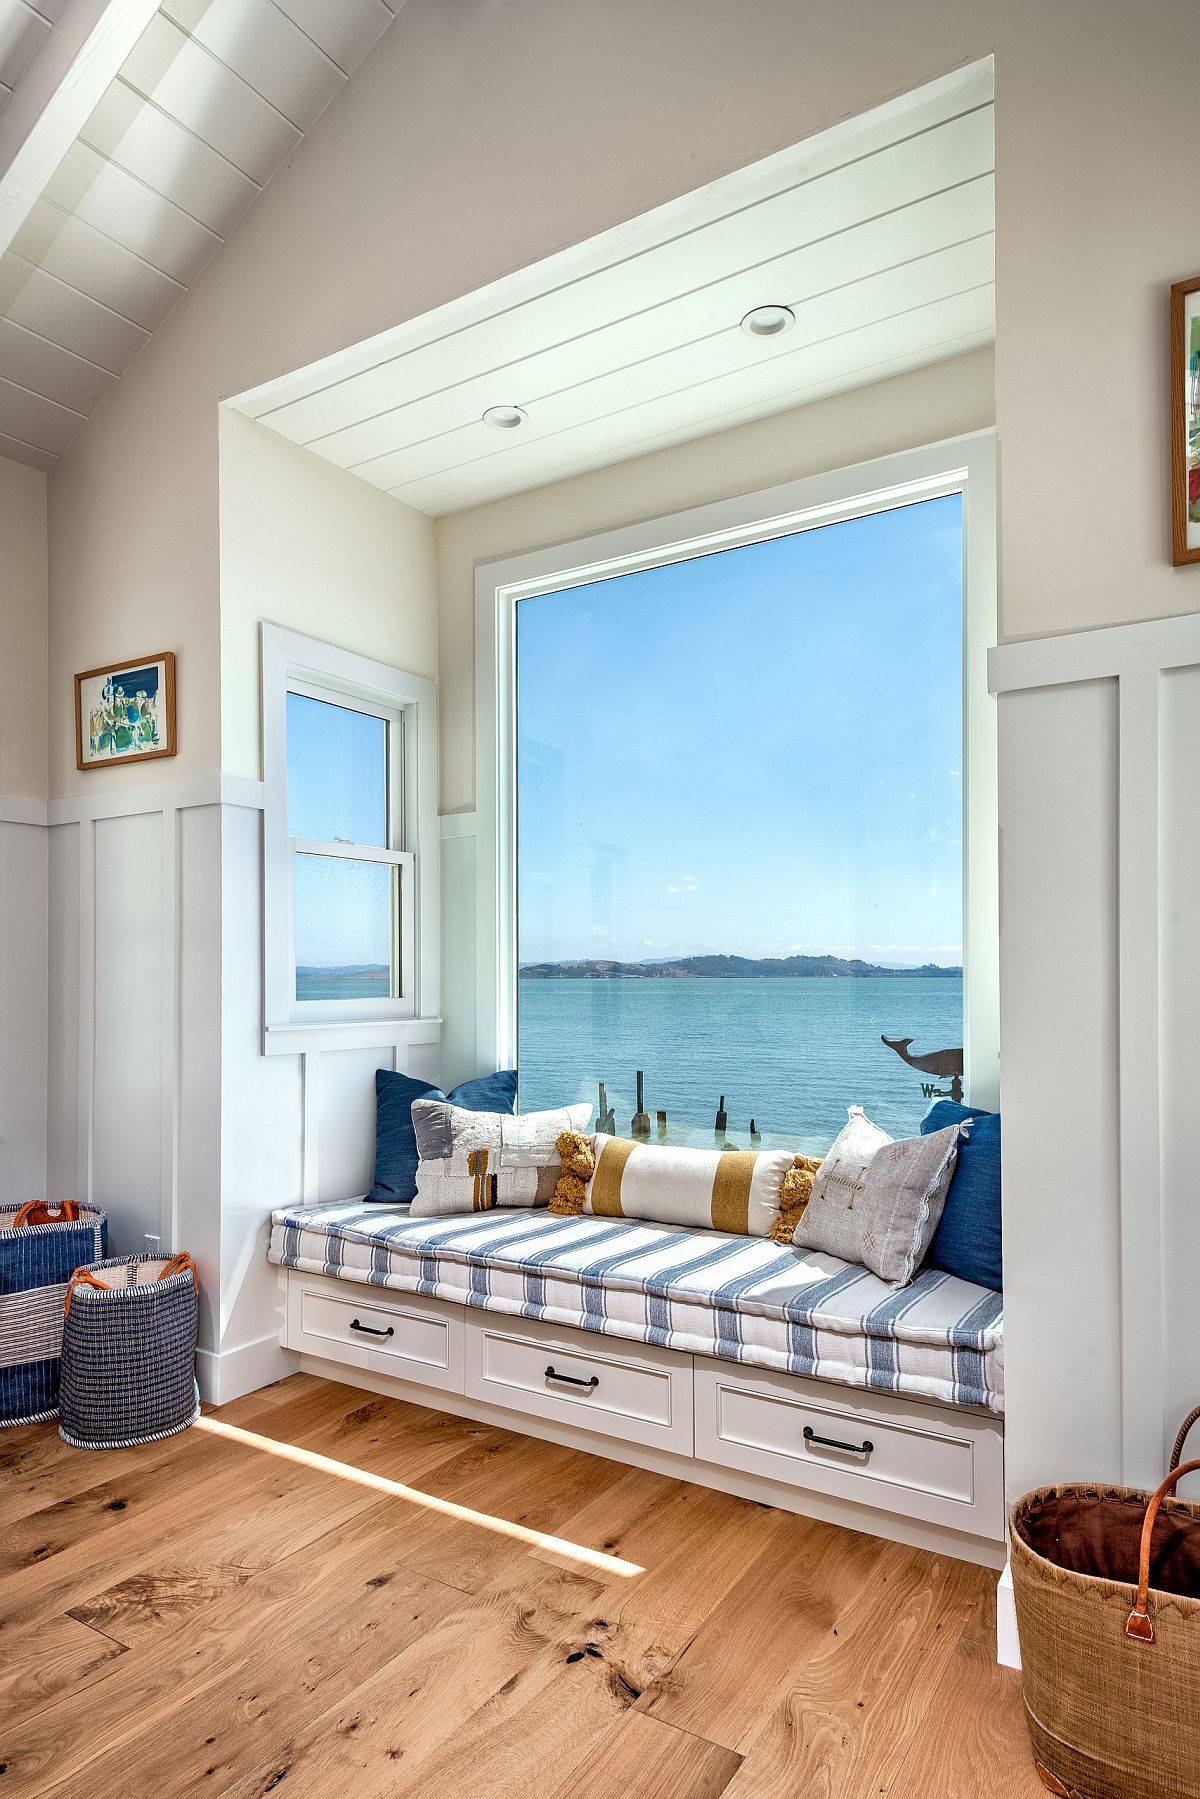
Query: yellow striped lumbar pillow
[[735, 1190]]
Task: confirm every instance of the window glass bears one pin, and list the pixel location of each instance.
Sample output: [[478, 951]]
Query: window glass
[[337, 773], [739, 839], [345, 928]]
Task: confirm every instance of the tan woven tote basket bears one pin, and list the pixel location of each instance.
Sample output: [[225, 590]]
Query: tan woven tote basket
[[1107, 1584]]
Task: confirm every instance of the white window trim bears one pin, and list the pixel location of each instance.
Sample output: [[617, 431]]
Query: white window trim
[[965, 465], [292, 662]]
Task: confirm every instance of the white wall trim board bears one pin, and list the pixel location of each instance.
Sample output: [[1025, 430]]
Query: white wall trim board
[[964, 464], [458, 824], [1008, 1643], [15, 809], [157, 796], [1133, 764], [227, 1375], [1148, 647]]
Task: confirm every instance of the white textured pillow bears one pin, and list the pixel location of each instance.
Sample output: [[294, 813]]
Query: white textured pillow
[[830, 1220], [472, 1161], [707, 1189]]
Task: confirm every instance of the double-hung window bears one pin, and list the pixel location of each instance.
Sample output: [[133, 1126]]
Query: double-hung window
[[351, 939], [351, 874]]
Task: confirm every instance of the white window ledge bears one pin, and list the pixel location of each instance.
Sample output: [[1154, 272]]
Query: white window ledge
[[340, 1034]]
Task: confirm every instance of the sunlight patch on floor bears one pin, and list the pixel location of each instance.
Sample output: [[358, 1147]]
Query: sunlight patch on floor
[[394, 1489]]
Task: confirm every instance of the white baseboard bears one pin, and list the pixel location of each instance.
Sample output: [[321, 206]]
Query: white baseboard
[[1008, 1648], [228, 1375], [918, 1535]]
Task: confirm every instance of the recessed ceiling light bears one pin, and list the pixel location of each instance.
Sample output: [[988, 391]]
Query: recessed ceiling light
[[505, 418], [768, 321]]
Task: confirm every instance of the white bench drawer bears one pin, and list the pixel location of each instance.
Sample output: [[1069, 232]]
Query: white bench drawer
[[895, 1454], [398, 1334], [624, 1390]]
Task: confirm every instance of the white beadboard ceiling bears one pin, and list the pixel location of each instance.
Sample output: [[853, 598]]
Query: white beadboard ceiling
[[879, 235], [198, 115]]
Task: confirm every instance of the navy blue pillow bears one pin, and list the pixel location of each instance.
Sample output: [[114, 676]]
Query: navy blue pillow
[[968, 1238], [395, 1140]]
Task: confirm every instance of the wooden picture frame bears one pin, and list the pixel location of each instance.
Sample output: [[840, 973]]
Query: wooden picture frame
[[1185, 422], [132, 722]]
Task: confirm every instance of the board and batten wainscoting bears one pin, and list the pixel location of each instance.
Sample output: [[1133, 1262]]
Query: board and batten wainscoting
[[1099, 1000], [162, 1106], [24, 953]]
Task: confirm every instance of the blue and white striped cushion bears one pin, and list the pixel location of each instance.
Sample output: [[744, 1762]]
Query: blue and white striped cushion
[[744, 1299]]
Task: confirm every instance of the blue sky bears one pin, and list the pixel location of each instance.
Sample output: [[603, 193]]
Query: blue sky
[[337, 788], [756, 752]]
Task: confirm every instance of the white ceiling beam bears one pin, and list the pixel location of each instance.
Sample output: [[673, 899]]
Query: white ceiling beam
[[57, 95]]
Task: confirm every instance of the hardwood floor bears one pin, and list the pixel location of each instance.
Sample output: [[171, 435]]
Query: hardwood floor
[[324, 1592]]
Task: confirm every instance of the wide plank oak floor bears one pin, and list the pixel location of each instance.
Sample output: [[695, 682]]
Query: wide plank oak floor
[[322, 1592]]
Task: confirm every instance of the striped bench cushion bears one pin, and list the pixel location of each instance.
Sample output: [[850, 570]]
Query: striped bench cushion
[[743, 1299]]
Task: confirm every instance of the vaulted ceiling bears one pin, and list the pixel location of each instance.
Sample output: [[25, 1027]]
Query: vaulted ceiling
[[878, 237], [133, 139]]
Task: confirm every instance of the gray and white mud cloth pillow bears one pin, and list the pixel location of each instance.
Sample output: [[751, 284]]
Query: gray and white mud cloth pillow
[[473, 1161], [879, 1202]]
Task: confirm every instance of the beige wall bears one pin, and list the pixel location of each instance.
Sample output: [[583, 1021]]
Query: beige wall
[[24, 652], [944, 400], [307, 546], [478, 138]]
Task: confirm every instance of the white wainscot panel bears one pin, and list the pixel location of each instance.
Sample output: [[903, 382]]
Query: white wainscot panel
[[1058, 953], [193, 1175], [460, 1059], [127, 1046], [1180, 989], [62, 1138], [23, 951], [346, 1120]]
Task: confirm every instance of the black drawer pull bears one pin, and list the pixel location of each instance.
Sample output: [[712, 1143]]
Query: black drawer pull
[[369, 1331], [810, 1436], [571, 1380]]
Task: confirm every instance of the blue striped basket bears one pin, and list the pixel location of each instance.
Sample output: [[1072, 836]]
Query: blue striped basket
[[129, 1352], [40, 1245]]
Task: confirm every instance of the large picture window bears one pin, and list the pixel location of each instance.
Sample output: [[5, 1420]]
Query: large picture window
[[739, 855]]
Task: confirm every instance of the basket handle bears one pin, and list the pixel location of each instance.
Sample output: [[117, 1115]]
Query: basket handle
[[1140, 1625], [82, 1277], [40, 1211], [1181, 1439], [182, 1264]]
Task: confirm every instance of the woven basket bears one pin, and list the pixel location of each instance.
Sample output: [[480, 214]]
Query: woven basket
[[39, 1246], [129, 1352], [1111, 1662]]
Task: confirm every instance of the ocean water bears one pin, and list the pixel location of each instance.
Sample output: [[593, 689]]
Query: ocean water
[[791, 1054]]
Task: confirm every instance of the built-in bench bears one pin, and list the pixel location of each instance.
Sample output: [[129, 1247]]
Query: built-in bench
[[733, 1361]]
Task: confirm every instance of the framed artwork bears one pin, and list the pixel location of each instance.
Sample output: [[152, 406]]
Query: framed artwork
[[125, 712], [1185, 422]]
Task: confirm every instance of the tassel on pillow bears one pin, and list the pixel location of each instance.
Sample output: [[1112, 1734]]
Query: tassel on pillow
[[578, 1167], [794, 1194]]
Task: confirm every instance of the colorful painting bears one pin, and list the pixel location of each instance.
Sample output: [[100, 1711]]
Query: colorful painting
[[1193, 416], [125, 712], [1185, 421]]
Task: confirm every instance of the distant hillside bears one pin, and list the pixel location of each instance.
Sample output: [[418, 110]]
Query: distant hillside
[[740, 968]]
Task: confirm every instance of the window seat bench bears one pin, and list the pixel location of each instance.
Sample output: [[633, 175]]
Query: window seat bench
[[808, 1376]]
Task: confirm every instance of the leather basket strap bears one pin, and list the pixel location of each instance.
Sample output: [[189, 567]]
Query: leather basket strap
[[182, 1264], [39, 1211], [1140, 1625], [1181, 1439], [82, 1277]]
